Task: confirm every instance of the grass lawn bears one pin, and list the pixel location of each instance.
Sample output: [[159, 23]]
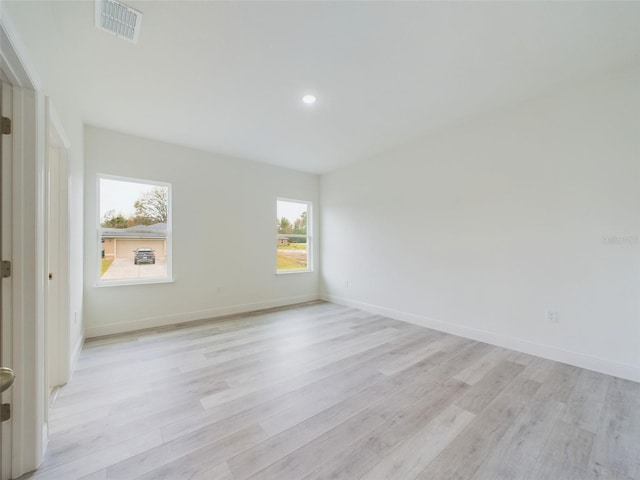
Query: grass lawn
[[106, 263], [287, 263]]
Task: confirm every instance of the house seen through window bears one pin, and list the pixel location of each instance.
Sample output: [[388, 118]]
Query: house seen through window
[[134, 231], [293, 240]]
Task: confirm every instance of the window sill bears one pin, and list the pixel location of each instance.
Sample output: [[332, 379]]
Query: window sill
[[290, 272], [126, 283]]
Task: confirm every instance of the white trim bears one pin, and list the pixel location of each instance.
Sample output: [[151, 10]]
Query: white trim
[[129, 282], [173, 319], [291, 272], [121, 178], [57, 134], [626, 371], [58, 140], [18, 69], [65, 262]]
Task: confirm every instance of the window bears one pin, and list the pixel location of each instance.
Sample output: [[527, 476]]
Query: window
[[293, 240], [134, 231]]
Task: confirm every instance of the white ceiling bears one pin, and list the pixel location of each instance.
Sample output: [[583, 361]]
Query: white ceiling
[[228, 77]]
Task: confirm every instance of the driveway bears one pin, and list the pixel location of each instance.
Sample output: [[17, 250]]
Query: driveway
[[298, 255], [125, 269]]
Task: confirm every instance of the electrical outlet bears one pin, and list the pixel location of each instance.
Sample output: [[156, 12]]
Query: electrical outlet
[[552, 316]]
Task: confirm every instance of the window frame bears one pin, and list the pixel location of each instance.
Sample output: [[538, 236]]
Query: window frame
[[100, 282], [308, 236]]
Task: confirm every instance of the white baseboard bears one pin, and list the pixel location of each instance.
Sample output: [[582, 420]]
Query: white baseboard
[[173, 319], [628, 372]]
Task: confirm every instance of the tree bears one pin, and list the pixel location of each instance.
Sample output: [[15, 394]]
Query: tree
[[300, 225], [284, 226], [152, 207], [112, 219]]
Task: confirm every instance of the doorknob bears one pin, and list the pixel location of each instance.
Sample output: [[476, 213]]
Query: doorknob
[[6, 378]]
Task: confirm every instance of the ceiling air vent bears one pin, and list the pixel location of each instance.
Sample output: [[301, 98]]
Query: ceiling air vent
[[115, 17]]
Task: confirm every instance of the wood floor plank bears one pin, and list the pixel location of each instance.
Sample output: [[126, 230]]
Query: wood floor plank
[[517, 452], [101, 459], [208, 340], [199, 461], [272, 401], [486, 389], [284, 441], [417, 451], [476, 372], [421, 351], [280, 445], [362, 455], [465, 454], [111, 430], [403, 389], [291, 397], [326, 391], [586, 400], [219, 472], [560, 381], [208, 447], [370, 407], [310, 456], [539, 369], [301, 377], [290, 360], [337, 391], [565, 454], [99, 475], [73, 421], [616, 447]]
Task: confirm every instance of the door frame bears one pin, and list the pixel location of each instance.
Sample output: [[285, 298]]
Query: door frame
[[58, 357], [29, 427], [6, 336]]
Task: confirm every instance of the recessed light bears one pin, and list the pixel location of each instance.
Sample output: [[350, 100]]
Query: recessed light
[[309, 99]]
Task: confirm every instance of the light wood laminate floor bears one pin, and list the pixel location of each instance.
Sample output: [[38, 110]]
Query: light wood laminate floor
[[323, 391]]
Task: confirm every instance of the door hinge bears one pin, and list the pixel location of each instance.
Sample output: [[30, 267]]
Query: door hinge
[[5, 412], [5, 126], [5, 269]]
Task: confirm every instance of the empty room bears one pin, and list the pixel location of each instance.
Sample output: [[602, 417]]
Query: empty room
[[309, 240]]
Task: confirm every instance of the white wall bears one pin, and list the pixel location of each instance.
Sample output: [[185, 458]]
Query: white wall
[[482, 228], [224, 217]]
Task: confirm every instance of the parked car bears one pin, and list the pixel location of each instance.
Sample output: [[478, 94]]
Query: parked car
[[144, 255]]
